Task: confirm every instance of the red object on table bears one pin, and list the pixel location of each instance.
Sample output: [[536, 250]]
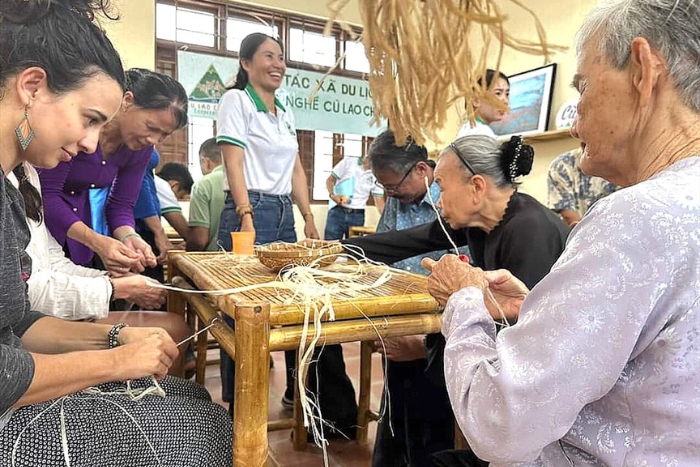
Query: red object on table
[[464, 258]]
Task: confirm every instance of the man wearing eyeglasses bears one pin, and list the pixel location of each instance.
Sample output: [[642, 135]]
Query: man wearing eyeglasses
[[420, 410]]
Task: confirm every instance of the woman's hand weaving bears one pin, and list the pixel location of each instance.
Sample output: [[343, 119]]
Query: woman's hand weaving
[[450, 274], [118, 258], [145, 352], [147, 258]]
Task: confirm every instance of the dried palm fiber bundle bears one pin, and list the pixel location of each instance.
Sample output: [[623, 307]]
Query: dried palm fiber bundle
[[427, 55]]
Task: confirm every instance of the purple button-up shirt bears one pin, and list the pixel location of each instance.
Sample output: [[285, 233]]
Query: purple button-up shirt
[[65, 190]]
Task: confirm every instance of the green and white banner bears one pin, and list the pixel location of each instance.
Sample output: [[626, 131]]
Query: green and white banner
[[342, 105]]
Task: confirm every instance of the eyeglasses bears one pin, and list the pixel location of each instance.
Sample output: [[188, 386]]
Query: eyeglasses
[[462, 158], [395, 188]]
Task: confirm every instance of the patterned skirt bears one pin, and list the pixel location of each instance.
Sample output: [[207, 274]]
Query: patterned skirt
[[184, 429]]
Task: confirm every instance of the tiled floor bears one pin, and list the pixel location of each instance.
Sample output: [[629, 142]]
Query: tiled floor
[[342, 453]]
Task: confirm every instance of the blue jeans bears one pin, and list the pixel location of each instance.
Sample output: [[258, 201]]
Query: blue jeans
[[340, 220], [273, 219]]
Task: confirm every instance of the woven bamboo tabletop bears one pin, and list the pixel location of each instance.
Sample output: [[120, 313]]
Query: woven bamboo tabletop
[[404, 293]]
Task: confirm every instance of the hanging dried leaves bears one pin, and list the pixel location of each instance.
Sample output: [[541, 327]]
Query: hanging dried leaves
[[426, 55]]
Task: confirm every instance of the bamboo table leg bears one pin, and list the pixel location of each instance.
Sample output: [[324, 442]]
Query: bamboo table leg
[[176, 301], [365, 391], [252, 385]]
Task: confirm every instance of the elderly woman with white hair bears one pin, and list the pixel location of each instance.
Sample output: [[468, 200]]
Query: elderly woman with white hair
[[603, 366]]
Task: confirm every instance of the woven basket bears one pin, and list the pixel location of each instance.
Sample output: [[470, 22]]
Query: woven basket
[[279, 255]]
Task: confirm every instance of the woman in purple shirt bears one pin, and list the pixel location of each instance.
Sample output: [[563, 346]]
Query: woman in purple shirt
[[153, 107]]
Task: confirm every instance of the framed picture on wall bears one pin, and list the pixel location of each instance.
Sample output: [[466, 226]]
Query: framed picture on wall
[[530, 103]]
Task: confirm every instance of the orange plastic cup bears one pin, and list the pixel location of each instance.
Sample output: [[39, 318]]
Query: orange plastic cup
[[243, 243]]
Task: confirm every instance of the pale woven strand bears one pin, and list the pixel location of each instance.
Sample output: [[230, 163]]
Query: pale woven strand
[[133, 394], [205, 329], [439, 217], [306, 351], [64, 429]]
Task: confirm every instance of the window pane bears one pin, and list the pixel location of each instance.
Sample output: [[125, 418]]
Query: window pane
[[199, 130], [183, 25], [165, 22], [352, 145], [323, 163], [311, 47], [238, 29], [355, 58]]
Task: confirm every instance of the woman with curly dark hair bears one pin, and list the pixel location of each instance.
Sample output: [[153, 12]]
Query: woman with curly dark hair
[[63, 398]]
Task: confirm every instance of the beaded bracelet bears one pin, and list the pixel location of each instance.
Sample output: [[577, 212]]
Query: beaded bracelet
[[245, 213], [113, 336], [243, 208], [129, 234]]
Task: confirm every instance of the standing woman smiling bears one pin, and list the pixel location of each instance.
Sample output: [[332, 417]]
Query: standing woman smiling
[[263, 174], [258, 140]]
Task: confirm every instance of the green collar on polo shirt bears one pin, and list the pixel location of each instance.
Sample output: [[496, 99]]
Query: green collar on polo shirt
[[259, 104], [480, 121]]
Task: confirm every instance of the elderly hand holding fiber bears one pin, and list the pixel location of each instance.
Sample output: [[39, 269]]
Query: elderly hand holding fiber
[[144, 352], [508, 293], [450, 274]]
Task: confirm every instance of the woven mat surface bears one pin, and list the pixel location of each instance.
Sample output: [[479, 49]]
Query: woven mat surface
[[216, 271]]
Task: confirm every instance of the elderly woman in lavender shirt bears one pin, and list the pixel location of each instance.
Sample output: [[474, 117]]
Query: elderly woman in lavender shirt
[[603, 366], [153, 107]]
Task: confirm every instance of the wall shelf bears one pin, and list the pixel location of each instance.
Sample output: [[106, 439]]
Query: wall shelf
[[548, 136]]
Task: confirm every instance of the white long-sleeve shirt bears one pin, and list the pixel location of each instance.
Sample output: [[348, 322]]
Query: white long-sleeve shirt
[[57, 286], [603, 366]]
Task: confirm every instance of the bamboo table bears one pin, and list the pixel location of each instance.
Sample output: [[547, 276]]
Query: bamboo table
[[266, 322]]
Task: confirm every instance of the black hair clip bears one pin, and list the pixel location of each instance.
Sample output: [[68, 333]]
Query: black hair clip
[[519, 158], [513, 166]]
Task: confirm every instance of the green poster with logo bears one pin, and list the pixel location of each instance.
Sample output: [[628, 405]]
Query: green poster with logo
[[342, 105]]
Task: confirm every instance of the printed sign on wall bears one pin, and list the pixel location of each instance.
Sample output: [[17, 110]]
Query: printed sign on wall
[[342, 105]]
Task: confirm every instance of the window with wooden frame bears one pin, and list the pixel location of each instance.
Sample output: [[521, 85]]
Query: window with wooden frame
[[217, 28]]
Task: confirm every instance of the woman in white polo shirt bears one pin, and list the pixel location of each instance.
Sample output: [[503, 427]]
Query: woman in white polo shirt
[[263, 173], [258, 140], [485, 114]]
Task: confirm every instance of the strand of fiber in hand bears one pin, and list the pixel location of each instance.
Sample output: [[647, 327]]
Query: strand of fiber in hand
[[427, 55]]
